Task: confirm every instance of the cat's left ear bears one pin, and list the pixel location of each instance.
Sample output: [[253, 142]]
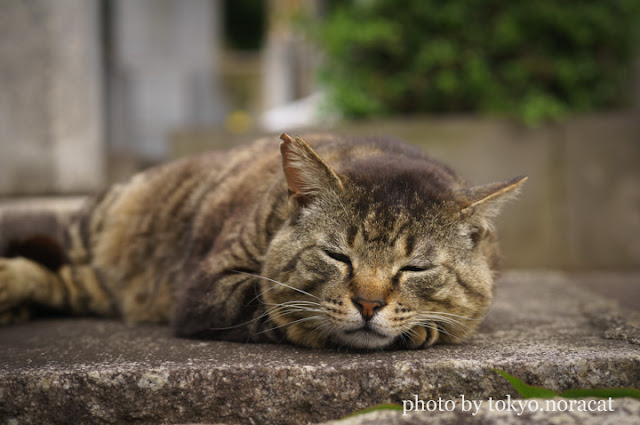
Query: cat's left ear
[[487, 200], [308, 176]]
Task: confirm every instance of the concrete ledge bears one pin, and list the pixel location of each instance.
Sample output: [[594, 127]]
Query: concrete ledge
[[541, 328], [27, 216]]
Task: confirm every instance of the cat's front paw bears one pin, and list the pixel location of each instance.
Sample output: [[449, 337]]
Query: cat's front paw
[[15, 315], [423, 336], [14, 288]]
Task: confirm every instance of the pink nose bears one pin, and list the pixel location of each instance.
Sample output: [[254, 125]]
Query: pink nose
[[367, 308]]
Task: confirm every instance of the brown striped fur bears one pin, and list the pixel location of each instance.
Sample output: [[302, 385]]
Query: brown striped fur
[[362, 243]]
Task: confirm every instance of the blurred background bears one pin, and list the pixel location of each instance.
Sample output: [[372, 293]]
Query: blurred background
[[93, 90]]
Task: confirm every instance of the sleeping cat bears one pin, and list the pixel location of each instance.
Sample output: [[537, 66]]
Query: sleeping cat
[[363, 243]]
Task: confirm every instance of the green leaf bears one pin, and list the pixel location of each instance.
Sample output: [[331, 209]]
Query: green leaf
[[374, 408], [602, 393], [525, 390], [530, 391]]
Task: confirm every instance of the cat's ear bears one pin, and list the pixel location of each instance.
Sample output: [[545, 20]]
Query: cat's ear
[[480, 204], [308, 176], [487, 200]]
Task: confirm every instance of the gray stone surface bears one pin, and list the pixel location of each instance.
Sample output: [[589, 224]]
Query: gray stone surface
[[23, 217], [603, 191], [163, 72], [542, 328], [51, 135], [623, 286]]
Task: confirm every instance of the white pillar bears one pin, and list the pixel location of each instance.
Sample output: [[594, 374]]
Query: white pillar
[[51, 120], [163, 72]]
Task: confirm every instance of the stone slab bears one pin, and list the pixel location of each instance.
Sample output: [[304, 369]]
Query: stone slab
[[28, 216], [541, 328]]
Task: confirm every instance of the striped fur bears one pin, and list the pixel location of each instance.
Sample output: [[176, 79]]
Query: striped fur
[[361, 243]]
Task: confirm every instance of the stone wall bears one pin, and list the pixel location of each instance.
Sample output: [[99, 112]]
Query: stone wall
[[51, 124], [162, 68], [76, 73]]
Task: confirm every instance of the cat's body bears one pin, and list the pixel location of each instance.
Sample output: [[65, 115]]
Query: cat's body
[[366, 244]]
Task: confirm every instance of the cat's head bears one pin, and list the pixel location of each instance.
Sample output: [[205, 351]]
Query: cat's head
[[388, 250]]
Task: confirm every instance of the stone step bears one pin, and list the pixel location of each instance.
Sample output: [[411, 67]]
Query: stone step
[[20, 217], [542, 328]]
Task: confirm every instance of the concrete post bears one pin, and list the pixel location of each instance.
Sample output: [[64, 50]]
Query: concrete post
[[51, 128], [288, 60], [162, 72]]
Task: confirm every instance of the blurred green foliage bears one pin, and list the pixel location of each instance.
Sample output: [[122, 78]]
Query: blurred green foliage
[[536, 60]]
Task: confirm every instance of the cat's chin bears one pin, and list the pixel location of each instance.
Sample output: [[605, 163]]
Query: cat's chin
[[365, 338]]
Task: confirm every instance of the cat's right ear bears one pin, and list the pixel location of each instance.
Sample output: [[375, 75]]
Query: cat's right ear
[[307, 175], [487, 199]]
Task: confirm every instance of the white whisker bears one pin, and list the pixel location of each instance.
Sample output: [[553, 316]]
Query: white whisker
[[433, 324], [323, 328], [444, 320], [265, 314], [304, 319], [279, 283], [446, 314]]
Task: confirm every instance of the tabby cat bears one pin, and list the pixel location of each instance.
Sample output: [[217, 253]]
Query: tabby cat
[[363, 243]]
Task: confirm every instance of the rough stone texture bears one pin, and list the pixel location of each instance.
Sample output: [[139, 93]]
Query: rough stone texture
[[542, 328], [623, 286]]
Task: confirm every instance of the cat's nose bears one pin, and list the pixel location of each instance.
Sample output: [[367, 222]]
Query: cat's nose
[[367, 308]]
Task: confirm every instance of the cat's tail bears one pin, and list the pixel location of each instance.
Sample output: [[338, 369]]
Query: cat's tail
[[36, 272]]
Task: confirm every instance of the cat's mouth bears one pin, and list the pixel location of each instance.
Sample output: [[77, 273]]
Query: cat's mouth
[[366, 329], [365, 337]]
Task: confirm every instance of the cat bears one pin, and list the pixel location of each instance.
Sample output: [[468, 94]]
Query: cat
[[333, 242]]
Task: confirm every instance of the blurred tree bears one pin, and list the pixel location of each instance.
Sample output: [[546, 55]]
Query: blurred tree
[[534, 60]]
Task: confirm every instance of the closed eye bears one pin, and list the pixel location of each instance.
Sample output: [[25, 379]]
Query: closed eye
[[417, 269], [338, 257]]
